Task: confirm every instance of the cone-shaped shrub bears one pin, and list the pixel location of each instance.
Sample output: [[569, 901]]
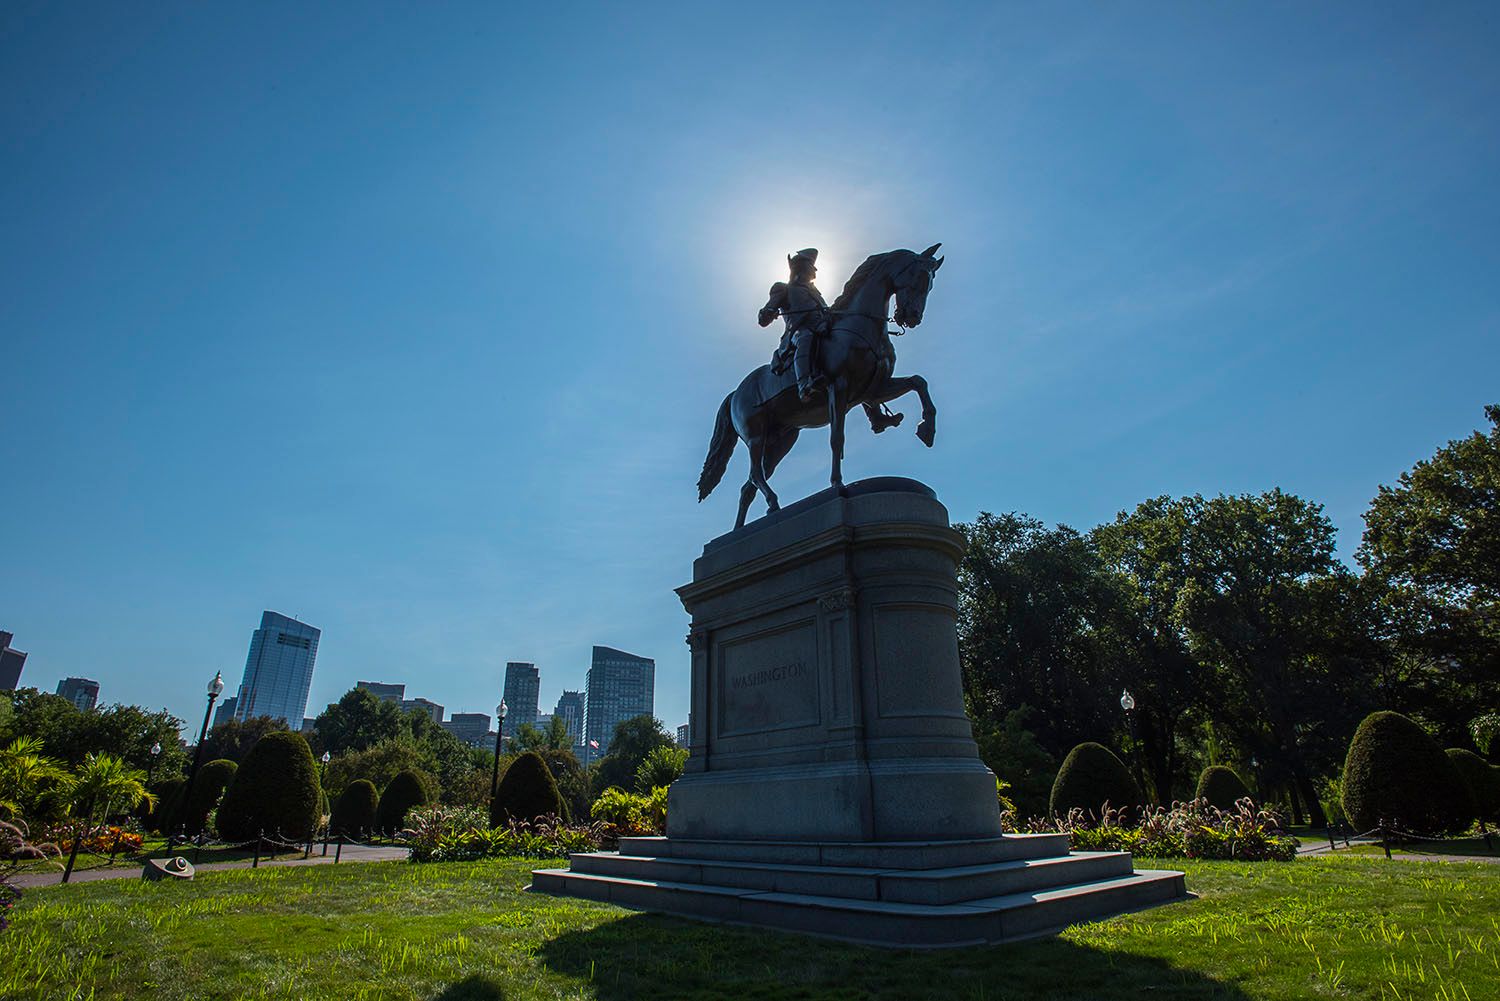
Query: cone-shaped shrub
[[1090, 777], [213, 778], [1483, 780], [1397, 775], [275, 791], [354, 812], [163, 817], [527, 791], [401, 794], [1221, 786]]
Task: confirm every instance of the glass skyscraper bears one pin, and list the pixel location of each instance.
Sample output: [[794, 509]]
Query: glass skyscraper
[[523, 684], [279, 670], [621, 686]]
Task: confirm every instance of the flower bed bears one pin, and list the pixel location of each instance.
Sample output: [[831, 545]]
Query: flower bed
[[1192, 830], [462, 834]]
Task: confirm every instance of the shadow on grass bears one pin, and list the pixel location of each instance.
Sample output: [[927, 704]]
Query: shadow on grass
[[653, 956], [475, 988]]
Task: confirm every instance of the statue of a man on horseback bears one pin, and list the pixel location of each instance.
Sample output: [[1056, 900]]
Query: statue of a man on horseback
[[841, 356]]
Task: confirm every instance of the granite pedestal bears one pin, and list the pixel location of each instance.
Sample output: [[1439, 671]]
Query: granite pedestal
[[833, 785]]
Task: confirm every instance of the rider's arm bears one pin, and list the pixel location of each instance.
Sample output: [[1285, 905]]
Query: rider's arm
[[773, 305]]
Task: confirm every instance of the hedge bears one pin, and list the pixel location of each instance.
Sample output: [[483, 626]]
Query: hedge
[[527, 791], [213, 778], [1396, 775], [1222, 787], [401, 793], [1483, 780], [1090, 777], [355, 810], [275, 791]]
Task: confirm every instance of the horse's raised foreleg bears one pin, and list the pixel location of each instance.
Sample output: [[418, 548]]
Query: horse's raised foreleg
[[893, 388]]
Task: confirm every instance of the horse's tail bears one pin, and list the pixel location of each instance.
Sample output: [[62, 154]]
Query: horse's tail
[[720, 448]]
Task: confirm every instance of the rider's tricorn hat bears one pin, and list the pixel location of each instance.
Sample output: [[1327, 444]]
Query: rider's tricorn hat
[[809, 255]]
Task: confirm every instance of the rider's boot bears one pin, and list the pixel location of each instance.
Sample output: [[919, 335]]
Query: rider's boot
[[807, 380], [881, 419]]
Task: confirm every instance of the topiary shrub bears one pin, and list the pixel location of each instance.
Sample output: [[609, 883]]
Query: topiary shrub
[[1395, 774], [527, 791], [275, 790], [1090, 777], [213, 778], [355, 810], [400, 794], [1483, 780], [162, 818], [1221, 786]]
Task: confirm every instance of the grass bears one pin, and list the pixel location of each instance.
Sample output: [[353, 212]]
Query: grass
[[1457, 846], [1336, 928]]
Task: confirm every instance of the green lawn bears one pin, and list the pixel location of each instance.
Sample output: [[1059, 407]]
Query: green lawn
[[155, 847], [1336, 928]]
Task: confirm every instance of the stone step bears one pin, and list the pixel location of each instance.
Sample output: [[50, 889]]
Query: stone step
[[863, 854], [915, 886], [889, 923]]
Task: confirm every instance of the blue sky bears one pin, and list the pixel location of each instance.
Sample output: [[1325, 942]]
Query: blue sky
[[412, 320]]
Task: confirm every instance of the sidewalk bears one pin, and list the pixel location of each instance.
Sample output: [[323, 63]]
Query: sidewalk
[[351, 853]]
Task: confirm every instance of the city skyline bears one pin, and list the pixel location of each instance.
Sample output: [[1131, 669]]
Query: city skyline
[[258, 329]]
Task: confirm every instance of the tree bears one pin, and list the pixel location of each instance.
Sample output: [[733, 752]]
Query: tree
[[382, 763], [71, 735], [357, 721], [661, 767], [1434, 540], [1397, 776], [405, 791], [233, 739], [1010, 750], [274, 791], [1092, 778], [1030, 599], [555, 745], [526, 791], [105, 782], [28, 778], [213, 778], [634, 739], [355, 810]]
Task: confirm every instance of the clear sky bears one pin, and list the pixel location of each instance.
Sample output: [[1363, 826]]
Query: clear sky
[[411, 320]]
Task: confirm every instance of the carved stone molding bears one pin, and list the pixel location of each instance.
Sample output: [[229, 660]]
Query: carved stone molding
[[697, 640], [837, 601]]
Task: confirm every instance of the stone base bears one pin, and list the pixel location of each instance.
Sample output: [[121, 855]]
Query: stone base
[[903, 894]]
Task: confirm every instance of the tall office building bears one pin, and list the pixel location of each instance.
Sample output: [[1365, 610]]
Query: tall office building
[[621, 686], [382, 691], [11, 662], [82, 692], [425, 705], [522, 686], [682, 735], [225, 712], [570, 711], [471, 728], [279, 670]]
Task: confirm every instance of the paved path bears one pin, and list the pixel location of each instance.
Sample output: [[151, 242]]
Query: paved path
[[351, 853], [1397, 853]]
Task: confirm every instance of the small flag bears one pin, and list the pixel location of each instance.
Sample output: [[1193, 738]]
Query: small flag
[[594, 744]]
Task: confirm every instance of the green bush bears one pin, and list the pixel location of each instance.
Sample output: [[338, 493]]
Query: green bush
[[1483, 780], [162, 818], [213, 778], [459, 834], [1222, 787], [402, 793], [527, 791], [275, 790], [662, 767], [354, 811], [1396, 775], [1091, 777]]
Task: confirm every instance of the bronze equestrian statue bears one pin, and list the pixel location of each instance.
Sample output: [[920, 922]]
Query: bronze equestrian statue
[[854, 359]]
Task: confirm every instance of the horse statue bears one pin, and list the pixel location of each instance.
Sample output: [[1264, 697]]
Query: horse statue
[[857, 360]]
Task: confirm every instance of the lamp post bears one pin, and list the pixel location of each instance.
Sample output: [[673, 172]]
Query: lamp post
[[499, 736], [1127, 703], [215, 688], [155, 756]]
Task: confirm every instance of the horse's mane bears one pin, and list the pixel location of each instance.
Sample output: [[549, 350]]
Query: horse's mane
[[860, 276]]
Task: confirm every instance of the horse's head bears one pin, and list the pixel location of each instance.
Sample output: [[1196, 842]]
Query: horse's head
[[911, 283]]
